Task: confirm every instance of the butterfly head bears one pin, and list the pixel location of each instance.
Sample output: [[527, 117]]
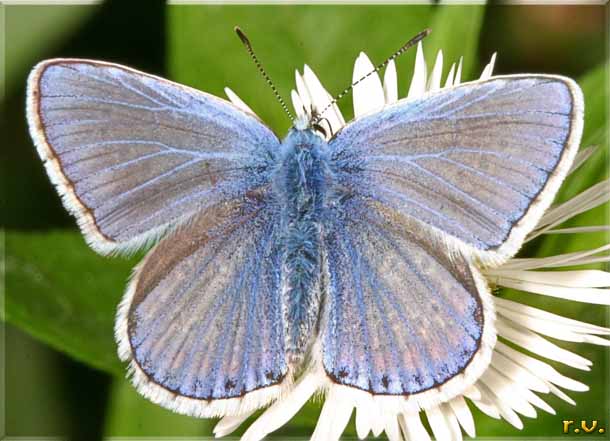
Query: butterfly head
[[308, 115], [310, 120]]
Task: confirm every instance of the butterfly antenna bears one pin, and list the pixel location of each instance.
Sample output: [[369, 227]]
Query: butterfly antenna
[[248, 46], [412, 42]]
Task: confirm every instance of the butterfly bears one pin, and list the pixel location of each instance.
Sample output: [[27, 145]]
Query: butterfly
[[354, 255]]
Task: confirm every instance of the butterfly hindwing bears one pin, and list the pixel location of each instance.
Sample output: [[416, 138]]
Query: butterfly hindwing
[[202, 321], [402, 315], [478, 162], [132, 154]]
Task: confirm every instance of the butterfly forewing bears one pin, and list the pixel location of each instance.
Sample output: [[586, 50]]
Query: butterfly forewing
[[479, 162], [202, 318], [132, 153]]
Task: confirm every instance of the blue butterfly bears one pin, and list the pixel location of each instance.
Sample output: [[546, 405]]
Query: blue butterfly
[[351, 254]]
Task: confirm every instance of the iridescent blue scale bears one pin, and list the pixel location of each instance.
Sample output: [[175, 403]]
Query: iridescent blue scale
[[364, 248]]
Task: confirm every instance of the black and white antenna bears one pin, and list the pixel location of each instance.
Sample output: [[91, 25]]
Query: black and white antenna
[[412, 42], [248, 46]]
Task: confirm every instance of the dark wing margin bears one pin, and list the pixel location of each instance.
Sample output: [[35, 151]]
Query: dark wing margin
[[479, 162], [201, 322], [132, 154], [403, 317]]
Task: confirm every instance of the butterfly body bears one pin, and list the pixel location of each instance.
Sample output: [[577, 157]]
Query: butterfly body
[[301, 183]]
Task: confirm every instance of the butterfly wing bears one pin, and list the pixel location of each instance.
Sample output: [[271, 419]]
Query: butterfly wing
[[479, 162], [429, 186], [132, 154], [201, 322], [403, 318]]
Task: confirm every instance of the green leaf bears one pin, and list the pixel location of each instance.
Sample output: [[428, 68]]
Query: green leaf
[[35, 398], [595, 90], [130, 414], [449, 22], [61, 292], [55, 23], [326, 37]]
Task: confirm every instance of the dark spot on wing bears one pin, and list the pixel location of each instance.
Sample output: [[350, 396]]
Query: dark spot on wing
[[385, 381], [229, 384], [342, 373], [269, 375]]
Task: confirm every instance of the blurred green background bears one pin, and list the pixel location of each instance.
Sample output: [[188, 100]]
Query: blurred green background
[[61, 373]]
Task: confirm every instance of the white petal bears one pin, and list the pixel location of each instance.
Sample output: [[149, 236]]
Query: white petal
[[363, 418], [594, 340], [319, 95], [418, 83], [392, 430], [510, 416], [320, 99], [390, 83], [376, 419], [368, 92], [534, 343], [550, 329], [487, 408], [413, 428], [487, 71], [434, 83], [506, 391], [492, 63], [574, 230], [581, 158], [438, 424], [518, 373], [594, 196], [472, 392], [537, 401], [573, 325], [303, 92], [541, 369], [450, 75], [342, 414], [568, 259], [559, 393], [280, 412], [334, 416], [597, 296], [237, 101], [458, 73], [325, 421], [488, 398], [299, 108], [229, 423], [452, 422], [567, 279], [505, 410], [463, 414]]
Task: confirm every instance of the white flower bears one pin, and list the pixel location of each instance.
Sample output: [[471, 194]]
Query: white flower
[[513, 383]]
